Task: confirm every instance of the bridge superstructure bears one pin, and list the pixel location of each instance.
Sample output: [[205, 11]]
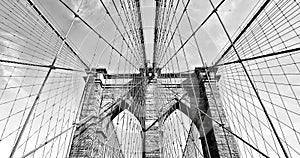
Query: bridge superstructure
[[151, 102], [89, 84]]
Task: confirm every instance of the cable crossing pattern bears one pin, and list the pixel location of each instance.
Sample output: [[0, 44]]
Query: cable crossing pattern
[[130, 79]]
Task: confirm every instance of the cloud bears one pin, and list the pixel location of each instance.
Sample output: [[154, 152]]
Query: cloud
[[8, 69], [88, 8], [7, 53]]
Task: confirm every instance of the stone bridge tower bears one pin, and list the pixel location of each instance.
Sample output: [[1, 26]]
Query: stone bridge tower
[[197, 97]]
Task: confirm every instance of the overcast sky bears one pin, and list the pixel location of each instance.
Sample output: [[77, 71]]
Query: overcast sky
[[211, 37]]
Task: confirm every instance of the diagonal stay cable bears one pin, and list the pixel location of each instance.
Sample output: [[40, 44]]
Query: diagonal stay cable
[[98, 34], [227, 129], [249, 78], [160, 42], [260, 56], [244, 29], [130, 18], [55, 30], [142, 40], [167, 25], [39, 65], [177, 26], [196, 30], [118, 29], [123, 24], [41, 88]]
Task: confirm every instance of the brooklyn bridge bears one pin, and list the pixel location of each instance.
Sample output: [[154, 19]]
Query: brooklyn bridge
[[150, 78]]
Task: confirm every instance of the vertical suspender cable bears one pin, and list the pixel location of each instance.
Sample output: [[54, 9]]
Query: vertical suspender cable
[[249, 78], [42, 86]]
